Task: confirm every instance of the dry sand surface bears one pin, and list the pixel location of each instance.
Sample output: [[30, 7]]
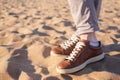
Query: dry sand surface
[[28, 28]]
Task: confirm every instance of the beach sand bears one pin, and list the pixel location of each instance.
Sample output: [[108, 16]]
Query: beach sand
[[28, 29]]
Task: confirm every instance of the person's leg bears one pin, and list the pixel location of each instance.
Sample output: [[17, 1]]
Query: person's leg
[[85, 15], [92, 36]]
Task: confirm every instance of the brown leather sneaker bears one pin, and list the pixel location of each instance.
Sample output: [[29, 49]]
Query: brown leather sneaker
[[81, 55], [66, 47]]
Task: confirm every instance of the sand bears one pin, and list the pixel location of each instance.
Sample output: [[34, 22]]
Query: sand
[[28, 28]]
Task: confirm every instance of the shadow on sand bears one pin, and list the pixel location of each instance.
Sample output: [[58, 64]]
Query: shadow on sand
[[19, 62]]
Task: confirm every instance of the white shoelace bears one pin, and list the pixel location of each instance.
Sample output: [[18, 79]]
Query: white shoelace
[[74, 53], [69, 42]]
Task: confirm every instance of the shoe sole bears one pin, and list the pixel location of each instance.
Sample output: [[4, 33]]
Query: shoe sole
[[72, 70], [54, 54]]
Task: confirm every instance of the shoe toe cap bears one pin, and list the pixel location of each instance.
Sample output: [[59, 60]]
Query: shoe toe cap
[[57, 50], [63, 65]]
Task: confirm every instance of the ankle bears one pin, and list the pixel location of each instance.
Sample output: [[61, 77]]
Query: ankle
[[89, 36], [84, 36]]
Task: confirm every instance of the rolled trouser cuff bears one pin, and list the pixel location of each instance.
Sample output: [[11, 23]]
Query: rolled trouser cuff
[[84, 30]]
